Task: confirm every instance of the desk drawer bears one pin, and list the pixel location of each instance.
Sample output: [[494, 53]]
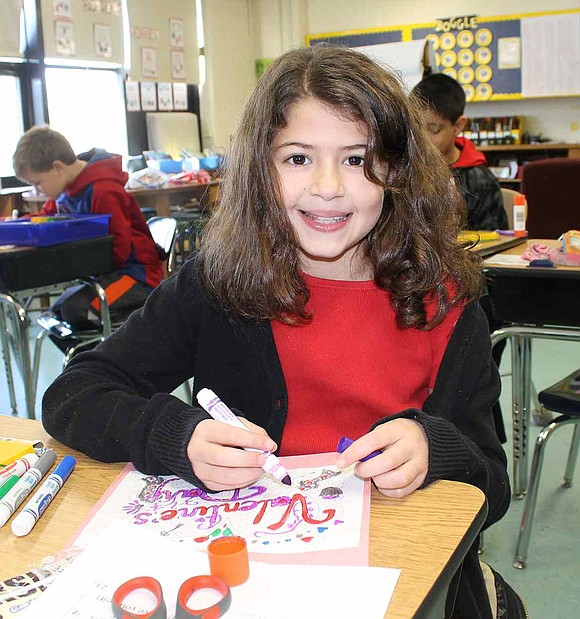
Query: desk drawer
[[535, 297], [24, 268]]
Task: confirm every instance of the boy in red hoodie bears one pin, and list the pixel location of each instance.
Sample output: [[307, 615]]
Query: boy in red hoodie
[[444, 99], [92, 182]]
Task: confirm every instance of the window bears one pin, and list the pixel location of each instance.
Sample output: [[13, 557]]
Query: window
[[11, 126], [87, 107]]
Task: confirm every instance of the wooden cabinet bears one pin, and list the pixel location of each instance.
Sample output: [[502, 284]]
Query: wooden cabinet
[[524, 153]]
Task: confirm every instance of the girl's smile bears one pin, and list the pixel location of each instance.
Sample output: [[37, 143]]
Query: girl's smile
[[332, 206]]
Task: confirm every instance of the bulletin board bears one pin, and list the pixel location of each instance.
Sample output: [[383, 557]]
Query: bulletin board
[[494, 58]]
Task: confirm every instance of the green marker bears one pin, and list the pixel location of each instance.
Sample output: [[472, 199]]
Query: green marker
[[7, 485]]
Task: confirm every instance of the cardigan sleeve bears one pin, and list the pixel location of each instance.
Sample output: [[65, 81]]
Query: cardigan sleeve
[[457, 417], [114, 404]]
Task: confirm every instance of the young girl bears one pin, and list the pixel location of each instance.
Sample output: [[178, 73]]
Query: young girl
[[330, 297]]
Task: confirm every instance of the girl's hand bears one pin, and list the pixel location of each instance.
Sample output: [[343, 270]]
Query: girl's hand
[[215, 459], [402, 465]]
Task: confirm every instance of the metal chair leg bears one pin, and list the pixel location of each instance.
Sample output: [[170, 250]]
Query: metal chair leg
[[5, 344], [572, 457], [36, 359], [521, 554]]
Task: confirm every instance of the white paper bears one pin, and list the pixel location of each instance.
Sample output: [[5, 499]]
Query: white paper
[[322, 510], [177, 64], [180, 96], [505, 260], [148, 96], [165, 96], [132, 95], [103, 44], [64, 38], [551, 55], [271, 592], [149, 62]]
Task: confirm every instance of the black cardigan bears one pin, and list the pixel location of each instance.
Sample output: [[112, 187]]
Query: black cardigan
[[114, 403]]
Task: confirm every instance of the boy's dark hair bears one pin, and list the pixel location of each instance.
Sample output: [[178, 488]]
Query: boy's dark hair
[[250, 254], [442, 94], [39, 148]]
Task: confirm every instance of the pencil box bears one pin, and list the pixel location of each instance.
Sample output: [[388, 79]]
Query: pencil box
[[56, 230]]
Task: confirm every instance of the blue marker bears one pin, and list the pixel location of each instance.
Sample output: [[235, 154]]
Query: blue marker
[[33, 510], [346, 442], [24, 486]]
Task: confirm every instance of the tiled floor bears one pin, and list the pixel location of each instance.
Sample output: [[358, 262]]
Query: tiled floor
[[549, 584]]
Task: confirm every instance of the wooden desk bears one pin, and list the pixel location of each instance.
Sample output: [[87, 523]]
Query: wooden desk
[[163, 198], [426, 534], [536, 303]]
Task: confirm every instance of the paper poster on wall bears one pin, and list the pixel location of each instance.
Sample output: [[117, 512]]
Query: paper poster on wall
[[180, 97], [148, 96], [103, 44], [509, 53], [165, 96], [550, 53], [61, 8], [175, 32], [64, 38], [148, 62], [177, 65], [132, 96]]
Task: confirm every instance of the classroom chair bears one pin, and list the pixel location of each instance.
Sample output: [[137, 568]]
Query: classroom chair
[[551, 190], [562, 398], [163, 230]]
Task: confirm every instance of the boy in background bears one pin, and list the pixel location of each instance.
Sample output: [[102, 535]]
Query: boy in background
[[91, 183], [444, 99]]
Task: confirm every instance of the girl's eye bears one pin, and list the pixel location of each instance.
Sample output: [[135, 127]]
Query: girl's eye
[[355, 160], [298, 160]]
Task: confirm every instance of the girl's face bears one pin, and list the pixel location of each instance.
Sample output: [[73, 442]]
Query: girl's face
[[331, 204]]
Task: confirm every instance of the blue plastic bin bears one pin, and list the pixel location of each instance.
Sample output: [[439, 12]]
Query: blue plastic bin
[[170, 166], [71, 228]]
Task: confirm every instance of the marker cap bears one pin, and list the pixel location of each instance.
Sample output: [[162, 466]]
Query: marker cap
[[228, 559], [23, 524]]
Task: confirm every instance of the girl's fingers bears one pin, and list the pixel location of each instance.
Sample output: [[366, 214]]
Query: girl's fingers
[[385, 487], [221, 433], [219, 454]]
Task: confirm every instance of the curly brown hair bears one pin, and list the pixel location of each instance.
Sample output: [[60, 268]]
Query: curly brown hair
[[249, 252]]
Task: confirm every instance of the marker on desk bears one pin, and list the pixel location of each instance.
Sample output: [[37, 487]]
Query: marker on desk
[[220, 412], [8, 484], [346, 442], [19, 467], [9, 504], [33, 510]]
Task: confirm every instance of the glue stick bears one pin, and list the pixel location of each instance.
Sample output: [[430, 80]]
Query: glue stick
[[520, 212]]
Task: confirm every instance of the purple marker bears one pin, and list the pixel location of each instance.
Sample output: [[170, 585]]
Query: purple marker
[[346, 442], [220, 412]]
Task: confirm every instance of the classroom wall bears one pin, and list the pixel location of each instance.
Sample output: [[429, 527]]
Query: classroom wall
[[245, 30]]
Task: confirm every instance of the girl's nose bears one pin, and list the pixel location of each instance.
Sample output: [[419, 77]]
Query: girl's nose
[[327, 182]]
